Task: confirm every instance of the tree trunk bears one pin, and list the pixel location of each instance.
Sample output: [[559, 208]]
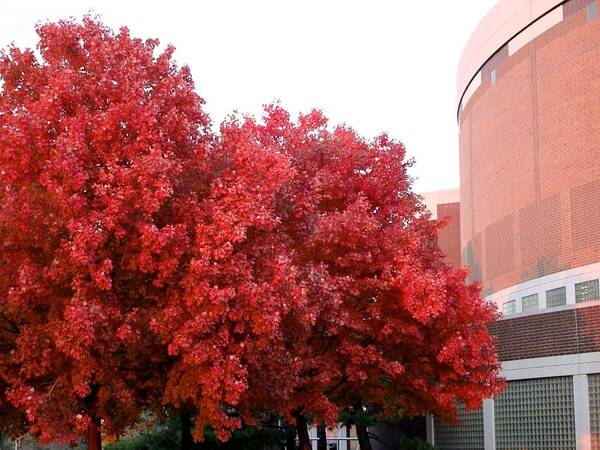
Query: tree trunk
[[94, 435], [363, 437], [302, 428], [186, 431], [290, 438], [322, 435]]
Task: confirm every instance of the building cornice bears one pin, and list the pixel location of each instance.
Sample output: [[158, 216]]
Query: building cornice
[[505, 22]]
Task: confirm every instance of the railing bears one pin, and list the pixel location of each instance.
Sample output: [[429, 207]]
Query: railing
[[339, 443]]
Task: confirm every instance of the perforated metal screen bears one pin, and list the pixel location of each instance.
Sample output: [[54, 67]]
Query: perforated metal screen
[[468, 436], [594, 390], [536, 414]]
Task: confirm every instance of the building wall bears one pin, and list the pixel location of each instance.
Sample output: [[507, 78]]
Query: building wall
[[449, 236], [529, 119], [497, 28], [530, 155], [565, 332], [444, 205]]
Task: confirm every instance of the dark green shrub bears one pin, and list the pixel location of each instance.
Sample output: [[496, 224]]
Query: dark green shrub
[[413, 444], [168, 437]]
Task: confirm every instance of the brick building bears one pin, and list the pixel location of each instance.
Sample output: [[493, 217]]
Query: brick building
[[529, 118]]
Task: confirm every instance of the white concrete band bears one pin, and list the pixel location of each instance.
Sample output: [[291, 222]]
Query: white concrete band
[[566, 278], [510, 20], [541, 25], [551, 366]]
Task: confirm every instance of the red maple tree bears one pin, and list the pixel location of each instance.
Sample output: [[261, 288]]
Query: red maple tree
[[101, 138], [236, 285], [146, 261], [384, 322]]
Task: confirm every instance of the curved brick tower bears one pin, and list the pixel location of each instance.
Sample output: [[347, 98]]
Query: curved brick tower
[[529, 118]]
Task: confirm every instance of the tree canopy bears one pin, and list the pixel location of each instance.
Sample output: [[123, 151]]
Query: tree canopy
[[276, 266]]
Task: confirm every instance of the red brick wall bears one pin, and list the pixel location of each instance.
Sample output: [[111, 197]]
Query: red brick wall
[[530, 157], [549, 334], [449, 236]]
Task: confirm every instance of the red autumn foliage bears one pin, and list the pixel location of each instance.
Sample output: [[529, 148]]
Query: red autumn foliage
[[235, 287], [100, 139], [382, 320], [278, 266]]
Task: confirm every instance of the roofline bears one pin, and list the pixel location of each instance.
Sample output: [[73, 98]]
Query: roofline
[[506, 19]]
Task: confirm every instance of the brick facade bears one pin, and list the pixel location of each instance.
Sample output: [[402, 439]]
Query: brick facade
[[530, 157], [565, 332], [529, 119], [449, 236]]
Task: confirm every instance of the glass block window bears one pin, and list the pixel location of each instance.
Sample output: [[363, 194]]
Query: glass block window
[[536, 414], [594, 392], [467, 436], [556, 297], [530, 302], [591, 11], [587, 291], [509, 307]]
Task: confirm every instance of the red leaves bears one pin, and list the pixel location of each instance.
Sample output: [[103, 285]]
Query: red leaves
[[99, 140], [278, 266], [380, 313]]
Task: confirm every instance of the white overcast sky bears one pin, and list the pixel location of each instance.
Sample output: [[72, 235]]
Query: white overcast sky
[[372, 64]]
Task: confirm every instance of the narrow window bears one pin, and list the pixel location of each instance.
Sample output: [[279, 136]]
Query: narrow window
[[591, 11], [493, 77], [556, 297], [587, 291], [509, 307], [530, 302]]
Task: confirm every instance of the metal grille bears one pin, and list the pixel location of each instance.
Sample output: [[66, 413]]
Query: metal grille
[[556, 297], [467, 436], [337, 443], [509, 307], [536, 414], [587, 291], [530, 302], [338, 438], [594, 390]]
